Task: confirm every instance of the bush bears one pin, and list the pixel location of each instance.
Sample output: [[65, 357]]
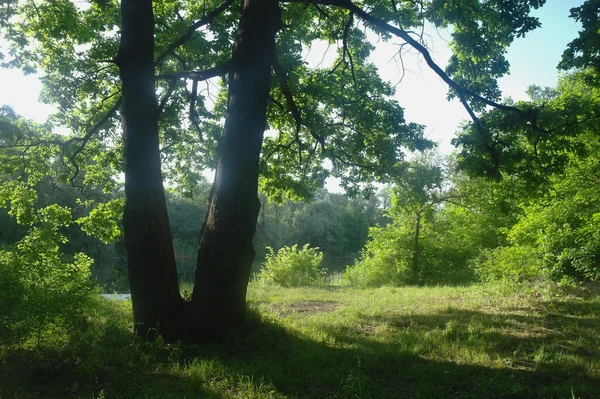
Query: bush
[[293, 267], [513, 264], [384, 260], [40, 290], [377, 271]]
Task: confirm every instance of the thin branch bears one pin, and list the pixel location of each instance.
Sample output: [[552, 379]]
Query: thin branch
[[274, 101], [381, 24], [218, 70], [308, 158], [346, 50], [193, 113], [208, 18], [317, 6], [84, 140], [285, 88], [163, 101], [321, 11]]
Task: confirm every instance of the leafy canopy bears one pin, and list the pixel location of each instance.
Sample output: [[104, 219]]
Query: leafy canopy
[[344, 113]]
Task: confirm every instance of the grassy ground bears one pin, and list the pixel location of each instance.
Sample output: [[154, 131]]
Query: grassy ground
[[473, 342]]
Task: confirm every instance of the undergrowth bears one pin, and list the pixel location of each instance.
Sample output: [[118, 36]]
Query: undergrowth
[[332, 342]]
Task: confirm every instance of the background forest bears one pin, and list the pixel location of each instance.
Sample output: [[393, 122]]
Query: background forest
[[437, 225]]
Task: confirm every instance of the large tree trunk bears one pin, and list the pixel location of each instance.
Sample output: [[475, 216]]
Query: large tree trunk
[[225, 253], [151, 261]]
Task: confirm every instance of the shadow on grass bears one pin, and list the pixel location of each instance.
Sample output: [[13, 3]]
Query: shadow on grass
[[399, 357]]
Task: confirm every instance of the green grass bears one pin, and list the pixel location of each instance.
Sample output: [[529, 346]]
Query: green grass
[[469, 342]]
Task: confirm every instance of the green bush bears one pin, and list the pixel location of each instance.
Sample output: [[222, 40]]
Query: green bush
[[384, 260], [40, 290], [377, 271], [293, 267], [512, 264]]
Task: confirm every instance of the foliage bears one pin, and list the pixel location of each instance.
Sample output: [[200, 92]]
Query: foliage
[[440, 220], [564, 227], [345, 111], [39, 288], [185, 217], [532, 145], [43, 286], [584, 51], [335, 223], [447, 241], [293, 267], [508, 265], [556, 170], [385, 260]]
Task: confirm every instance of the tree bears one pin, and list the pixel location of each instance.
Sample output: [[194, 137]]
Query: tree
[[557, 224], [584, 51], [441, 219], [343, 113], [415, 197]]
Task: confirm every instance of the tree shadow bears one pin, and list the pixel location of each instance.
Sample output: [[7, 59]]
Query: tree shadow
[[354, 363], [382, 356]]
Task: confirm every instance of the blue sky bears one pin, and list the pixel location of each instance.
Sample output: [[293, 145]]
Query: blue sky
[[534, 59]]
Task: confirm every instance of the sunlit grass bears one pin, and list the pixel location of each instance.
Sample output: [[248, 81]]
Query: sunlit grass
[[332, 342]]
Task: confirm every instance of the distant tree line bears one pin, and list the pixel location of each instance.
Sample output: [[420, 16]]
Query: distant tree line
[[336, 224]]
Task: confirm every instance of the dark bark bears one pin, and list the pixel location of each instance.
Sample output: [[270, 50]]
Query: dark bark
[[416, 253], [151, 261], [225, 252]]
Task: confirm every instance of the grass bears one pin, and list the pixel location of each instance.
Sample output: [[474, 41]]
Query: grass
[[441, 342]]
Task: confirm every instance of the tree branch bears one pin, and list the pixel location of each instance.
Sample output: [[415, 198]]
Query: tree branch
[[84, 140], [208, 18], [218, 70], [163, 101], [193, 113], [381, 24], [346, 50], [289, 98]]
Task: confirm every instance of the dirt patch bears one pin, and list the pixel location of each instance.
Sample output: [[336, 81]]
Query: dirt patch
[[305, 308], [366, 329]]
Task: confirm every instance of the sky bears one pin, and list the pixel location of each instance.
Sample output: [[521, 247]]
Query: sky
[[421, 92]]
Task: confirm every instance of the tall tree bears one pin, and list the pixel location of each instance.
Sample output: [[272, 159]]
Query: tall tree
[[225, 252], [343, 113], [157, 304]]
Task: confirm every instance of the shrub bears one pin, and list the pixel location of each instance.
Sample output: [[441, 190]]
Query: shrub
[[512, 264], [40, 290], [377, 271], [293, 267]]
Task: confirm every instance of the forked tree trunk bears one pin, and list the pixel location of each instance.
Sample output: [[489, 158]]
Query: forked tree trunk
[[225, 253], [151, 261]]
